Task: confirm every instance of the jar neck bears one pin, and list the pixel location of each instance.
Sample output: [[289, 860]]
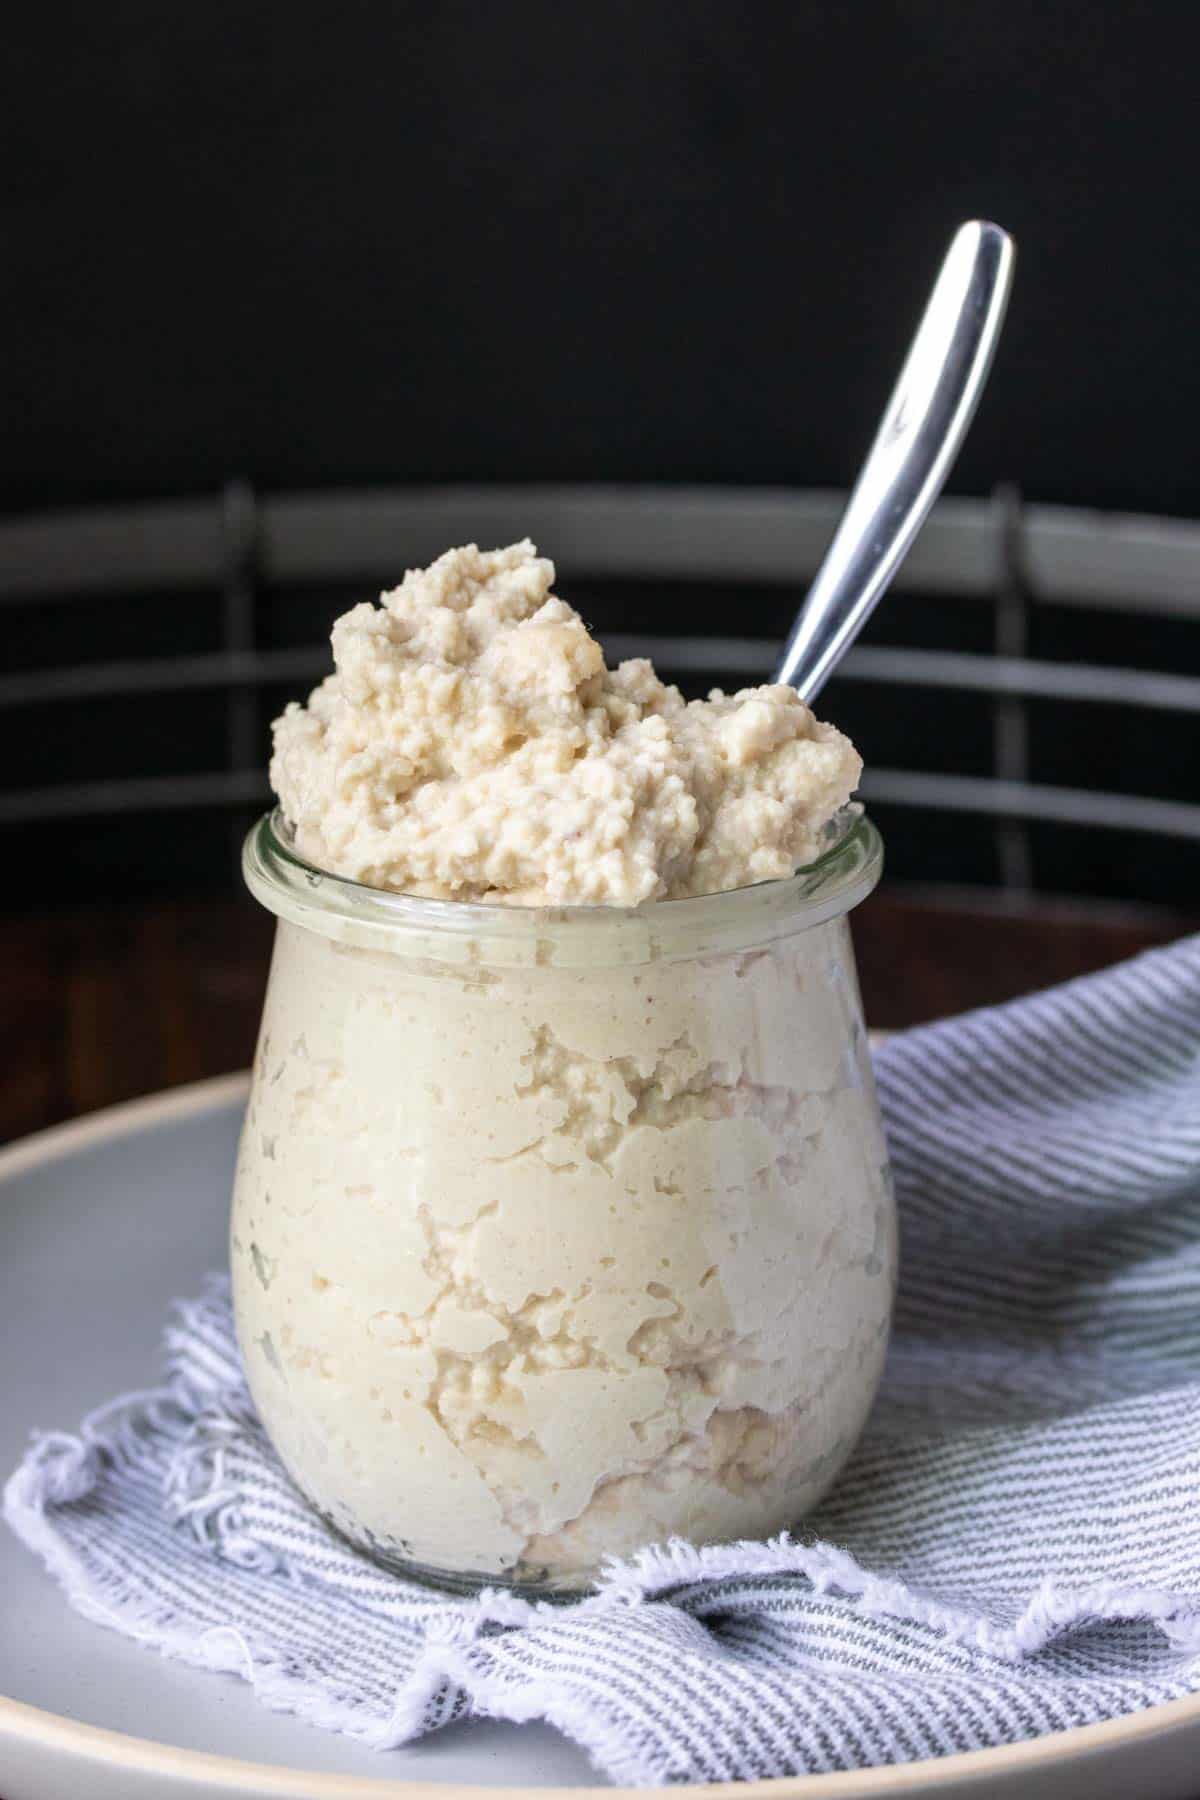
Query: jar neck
[[566, 937]]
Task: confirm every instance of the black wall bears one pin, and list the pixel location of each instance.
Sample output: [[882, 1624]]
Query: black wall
[[316, 245], [320, 244]]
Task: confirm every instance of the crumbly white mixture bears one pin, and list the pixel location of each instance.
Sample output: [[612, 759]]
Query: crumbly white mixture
[[534, 1259], [472, 745], [533, 1264]]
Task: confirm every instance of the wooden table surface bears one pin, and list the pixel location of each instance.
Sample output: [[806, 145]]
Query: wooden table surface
[[102, 1005]]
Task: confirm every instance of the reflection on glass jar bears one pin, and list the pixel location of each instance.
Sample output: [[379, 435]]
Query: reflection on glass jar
[[557, 1233]]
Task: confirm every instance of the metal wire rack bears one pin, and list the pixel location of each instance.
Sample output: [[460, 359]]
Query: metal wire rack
[[1007, 555]]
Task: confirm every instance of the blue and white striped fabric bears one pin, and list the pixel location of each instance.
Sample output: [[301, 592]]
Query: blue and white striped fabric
[[1015, 1548]]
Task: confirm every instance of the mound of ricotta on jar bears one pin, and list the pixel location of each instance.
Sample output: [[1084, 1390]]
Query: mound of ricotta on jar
[[544, 1250], [472, 745]]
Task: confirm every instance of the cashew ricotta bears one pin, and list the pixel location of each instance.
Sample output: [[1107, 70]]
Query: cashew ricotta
[[534, 1264], [472, 745], [557, 1236]]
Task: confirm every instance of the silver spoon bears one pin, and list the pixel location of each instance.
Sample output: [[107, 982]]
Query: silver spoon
[[918, 438]]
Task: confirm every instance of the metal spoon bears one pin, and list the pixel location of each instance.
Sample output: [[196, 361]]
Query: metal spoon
[[918, 438]]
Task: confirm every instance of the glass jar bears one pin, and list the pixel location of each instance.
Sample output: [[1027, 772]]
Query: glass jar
[[557, 1232]]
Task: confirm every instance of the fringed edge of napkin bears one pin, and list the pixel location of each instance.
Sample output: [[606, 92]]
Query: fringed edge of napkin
[[173, 1437]]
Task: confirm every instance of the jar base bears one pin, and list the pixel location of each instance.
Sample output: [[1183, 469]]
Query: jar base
[[562, 1591], [536, 1585]]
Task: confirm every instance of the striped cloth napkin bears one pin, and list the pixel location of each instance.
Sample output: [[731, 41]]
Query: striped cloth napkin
[[1014, 1549]]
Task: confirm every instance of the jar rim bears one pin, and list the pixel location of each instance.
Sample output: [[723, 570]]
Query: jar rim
[[469, 931]]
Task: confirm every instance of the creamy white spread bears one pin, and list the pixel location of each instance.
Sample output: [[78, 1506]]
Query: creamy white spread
[[539, 1257], [536, 1264], [472, 745]]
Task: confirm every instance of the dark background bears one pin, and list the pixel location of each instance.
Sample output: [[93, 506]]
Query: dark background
[[316, 244]]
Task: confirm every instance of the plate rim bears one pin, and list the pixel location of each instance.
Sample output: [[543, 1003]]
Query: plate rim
[[36, 1727]]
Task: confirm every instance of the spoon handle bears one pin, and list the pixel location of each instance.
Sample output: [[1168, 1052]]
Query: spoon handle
[[918, 438]]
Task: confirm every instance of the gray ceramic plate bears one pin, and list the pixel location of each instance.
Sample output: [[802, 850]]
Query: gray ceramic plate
[[102, 1223]]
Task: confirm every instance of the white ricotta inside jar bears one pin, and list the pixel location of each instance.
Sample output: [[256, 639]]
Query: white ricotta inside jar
[[561, 1230]]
